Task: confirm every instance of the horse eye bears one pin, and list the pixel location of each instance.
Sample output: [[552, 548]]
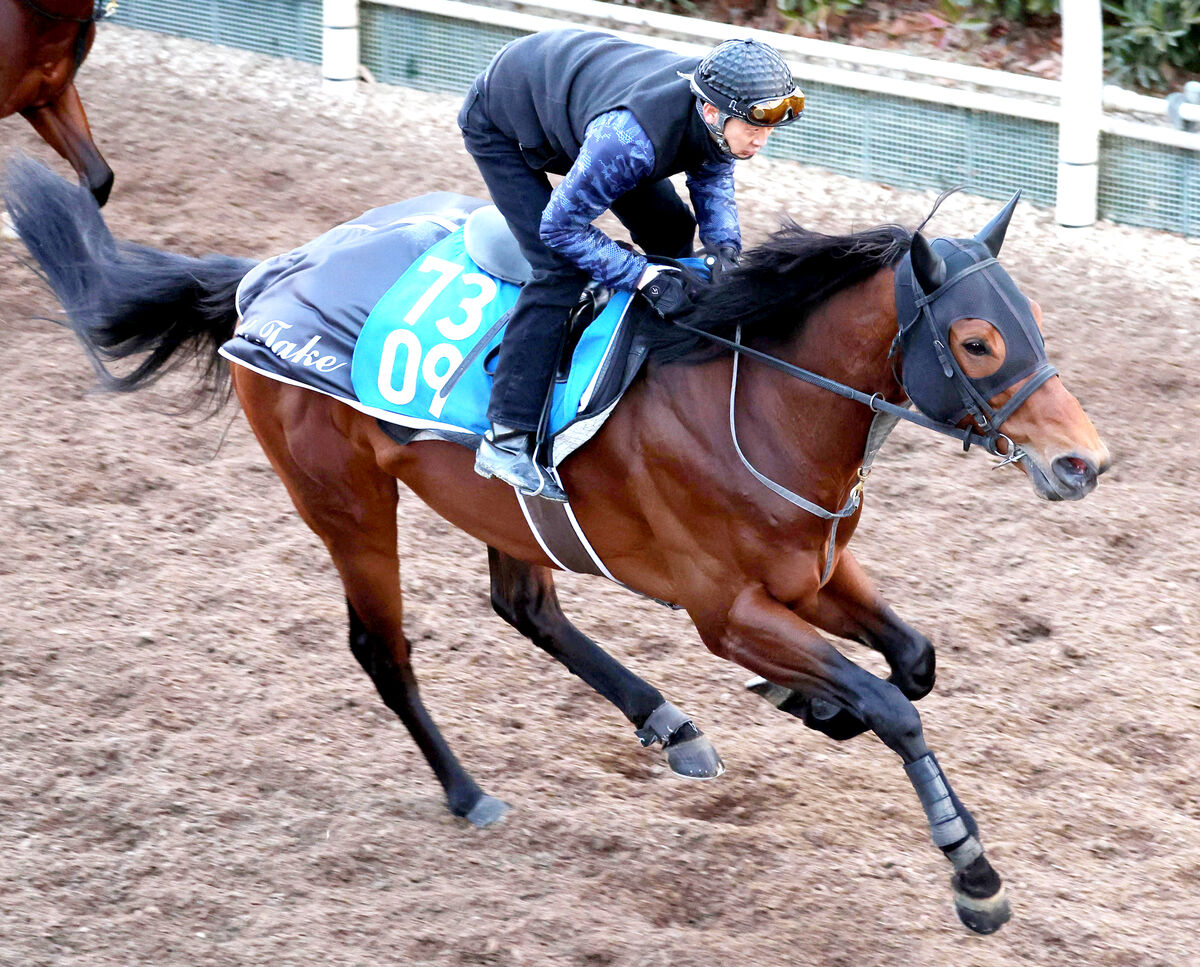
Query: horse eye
[[977, 347]]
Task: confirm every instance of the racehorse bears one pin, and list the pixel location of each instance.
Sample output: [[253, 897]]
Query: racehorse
[[42, 45], [728, 480]]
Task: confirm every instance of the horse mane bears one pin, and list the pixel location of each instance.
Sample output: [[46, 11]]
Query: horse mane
[[775, 288]]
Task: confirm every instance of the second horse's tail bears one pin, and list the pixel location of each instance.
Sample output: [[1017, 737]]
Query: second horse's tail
[[123, 299]]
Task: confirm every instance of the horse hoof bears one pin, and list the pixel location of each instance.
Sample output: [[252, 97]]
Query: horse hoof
[[694, 758], [486, 811], [983, 916]]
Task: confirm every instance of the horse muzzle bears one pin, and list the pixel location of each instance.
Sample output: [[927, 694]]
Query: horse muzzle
[[1067, 477]]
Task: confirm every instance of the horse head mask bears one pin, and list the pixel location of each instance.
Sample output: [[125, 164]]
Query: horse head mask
[[941, 283]]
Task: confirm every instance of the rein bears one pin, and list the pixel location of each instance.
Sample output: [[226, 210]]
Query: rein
[[837, 516], [968, 437]]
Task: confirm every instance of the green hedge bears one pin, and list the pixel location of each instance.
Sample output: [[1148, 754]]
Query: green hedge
[[1149, 44], [1152, 44]]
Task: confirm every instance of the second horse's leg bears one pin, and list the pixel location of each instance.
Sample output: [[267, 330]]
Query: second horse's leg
[[524, 596], [63, 125]]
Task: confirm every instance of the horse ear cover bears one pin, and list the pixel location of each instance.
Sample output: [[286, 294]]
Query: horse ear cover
[[992, 234], [929, 269]]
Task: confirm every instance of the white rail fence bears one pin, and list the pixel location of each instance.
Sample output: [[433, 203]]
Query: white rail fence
[[1077, 144], [1081, 105]]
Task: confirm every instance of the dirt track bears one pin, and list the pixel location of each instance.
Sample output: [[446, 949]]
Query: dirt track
[[194, 771]]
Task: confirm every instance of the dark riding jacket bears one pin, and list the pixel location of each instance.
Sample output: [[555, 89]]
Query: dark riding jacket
[[609, 115]]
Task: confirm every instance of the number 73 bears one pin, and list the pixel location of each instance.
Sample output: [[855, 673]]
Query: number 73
[[436, 365]]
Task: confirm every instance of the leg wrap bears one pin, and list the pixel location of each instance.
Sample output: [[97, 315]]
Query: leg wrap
[[946, 825], [663, 723]]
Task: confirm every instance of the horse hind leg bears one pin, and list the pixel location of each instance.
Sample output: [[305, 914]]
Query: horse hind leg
[[351, 505], [524, 596], [397, 686]]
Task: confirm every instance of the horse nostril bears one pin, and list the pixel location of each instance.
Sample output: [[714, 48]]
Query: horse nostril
[[1075, 473]]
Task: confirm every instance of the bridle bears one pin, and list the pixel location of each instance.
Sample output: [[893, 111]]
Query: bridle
[[928, 308], [928, 304]]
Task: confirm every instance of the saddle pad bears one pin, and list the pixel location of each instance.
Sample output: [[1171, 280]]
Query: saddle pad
[[333, 316], [419, 333]]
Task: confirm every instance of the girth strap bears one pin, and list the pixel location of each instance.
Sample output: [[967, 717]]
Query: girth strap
[[560, 535]]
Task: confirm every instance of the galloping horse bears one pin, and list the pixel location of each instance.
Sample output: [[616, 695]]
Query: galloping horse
[[728, 480], [42, 44]]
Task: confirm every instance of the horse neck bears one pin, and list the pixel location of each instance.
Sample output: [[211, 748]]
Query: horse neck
[[792, 424], [849, 338]]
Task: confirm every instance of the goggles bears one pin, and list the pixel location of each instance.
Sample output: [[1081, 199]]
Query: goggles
[[776, 110], [765, 113]]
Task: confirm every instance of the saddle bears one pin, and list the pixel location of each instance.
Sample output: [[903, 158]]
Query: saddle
[[493, 247]]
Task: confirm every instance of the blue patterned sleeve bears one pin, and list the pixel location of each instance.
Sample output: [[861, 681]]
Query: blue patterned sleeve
[[711, 189], [616, 155]]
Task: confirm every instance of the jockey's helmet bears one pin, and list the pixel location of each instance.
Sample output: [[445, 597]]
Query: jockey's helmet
[[748, 80]]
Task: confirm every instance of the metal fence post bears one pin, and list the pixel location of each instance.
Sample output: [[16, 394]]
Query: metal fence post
[[1081, 111], [339, 46]]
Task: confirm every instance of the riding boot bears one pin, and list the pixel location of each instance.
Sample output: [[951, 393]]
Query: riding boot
[[508, 455]]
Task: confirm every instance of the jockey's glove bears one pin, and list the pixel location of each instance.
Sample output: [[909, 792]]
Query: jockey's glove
[[666, 289], [721, 261]]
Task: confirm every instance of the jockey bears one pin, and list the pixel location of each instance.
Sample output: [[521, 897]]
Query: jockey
[[615, 119]]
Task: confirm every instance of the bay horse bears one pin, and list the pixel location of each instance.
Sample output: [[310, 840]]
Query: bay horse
[[42, 45], [728, 480]]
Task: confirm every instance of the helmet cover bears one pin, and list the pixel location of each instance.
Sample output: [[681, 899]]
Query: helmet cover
[[736, 74]]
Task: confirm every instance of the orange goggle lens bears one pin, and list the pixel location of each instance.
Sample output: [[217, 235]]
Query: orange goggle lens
[[777, 109]]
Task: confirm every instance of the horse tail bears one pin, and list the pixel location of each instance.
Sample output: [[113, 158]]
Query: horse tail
[[124, 299]]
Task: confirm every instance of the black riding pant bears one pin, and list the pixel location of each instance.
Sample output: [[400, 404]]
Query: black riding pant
[[658, 222]]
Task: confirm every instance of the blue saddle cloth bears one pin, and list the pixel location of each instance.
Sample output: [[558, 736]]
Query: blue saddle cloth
[[386, 312]]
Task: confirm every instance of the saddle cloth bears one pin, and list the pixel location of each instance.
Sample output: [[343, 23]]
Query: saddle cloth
[[390, 314]]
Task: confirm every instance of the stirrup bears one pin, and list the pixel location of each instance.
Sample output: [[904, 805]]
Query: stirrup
[[516, 466]]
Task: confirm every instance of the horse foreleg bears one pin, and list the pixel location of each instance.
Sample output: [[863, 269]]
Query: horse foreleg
[[524, 596], [63, 125], [850, 606], [763, 635], [351, 505]]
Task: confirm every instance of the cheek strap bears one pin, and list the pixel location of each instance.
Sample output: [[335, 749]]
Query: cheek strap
[[1040, 375]]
